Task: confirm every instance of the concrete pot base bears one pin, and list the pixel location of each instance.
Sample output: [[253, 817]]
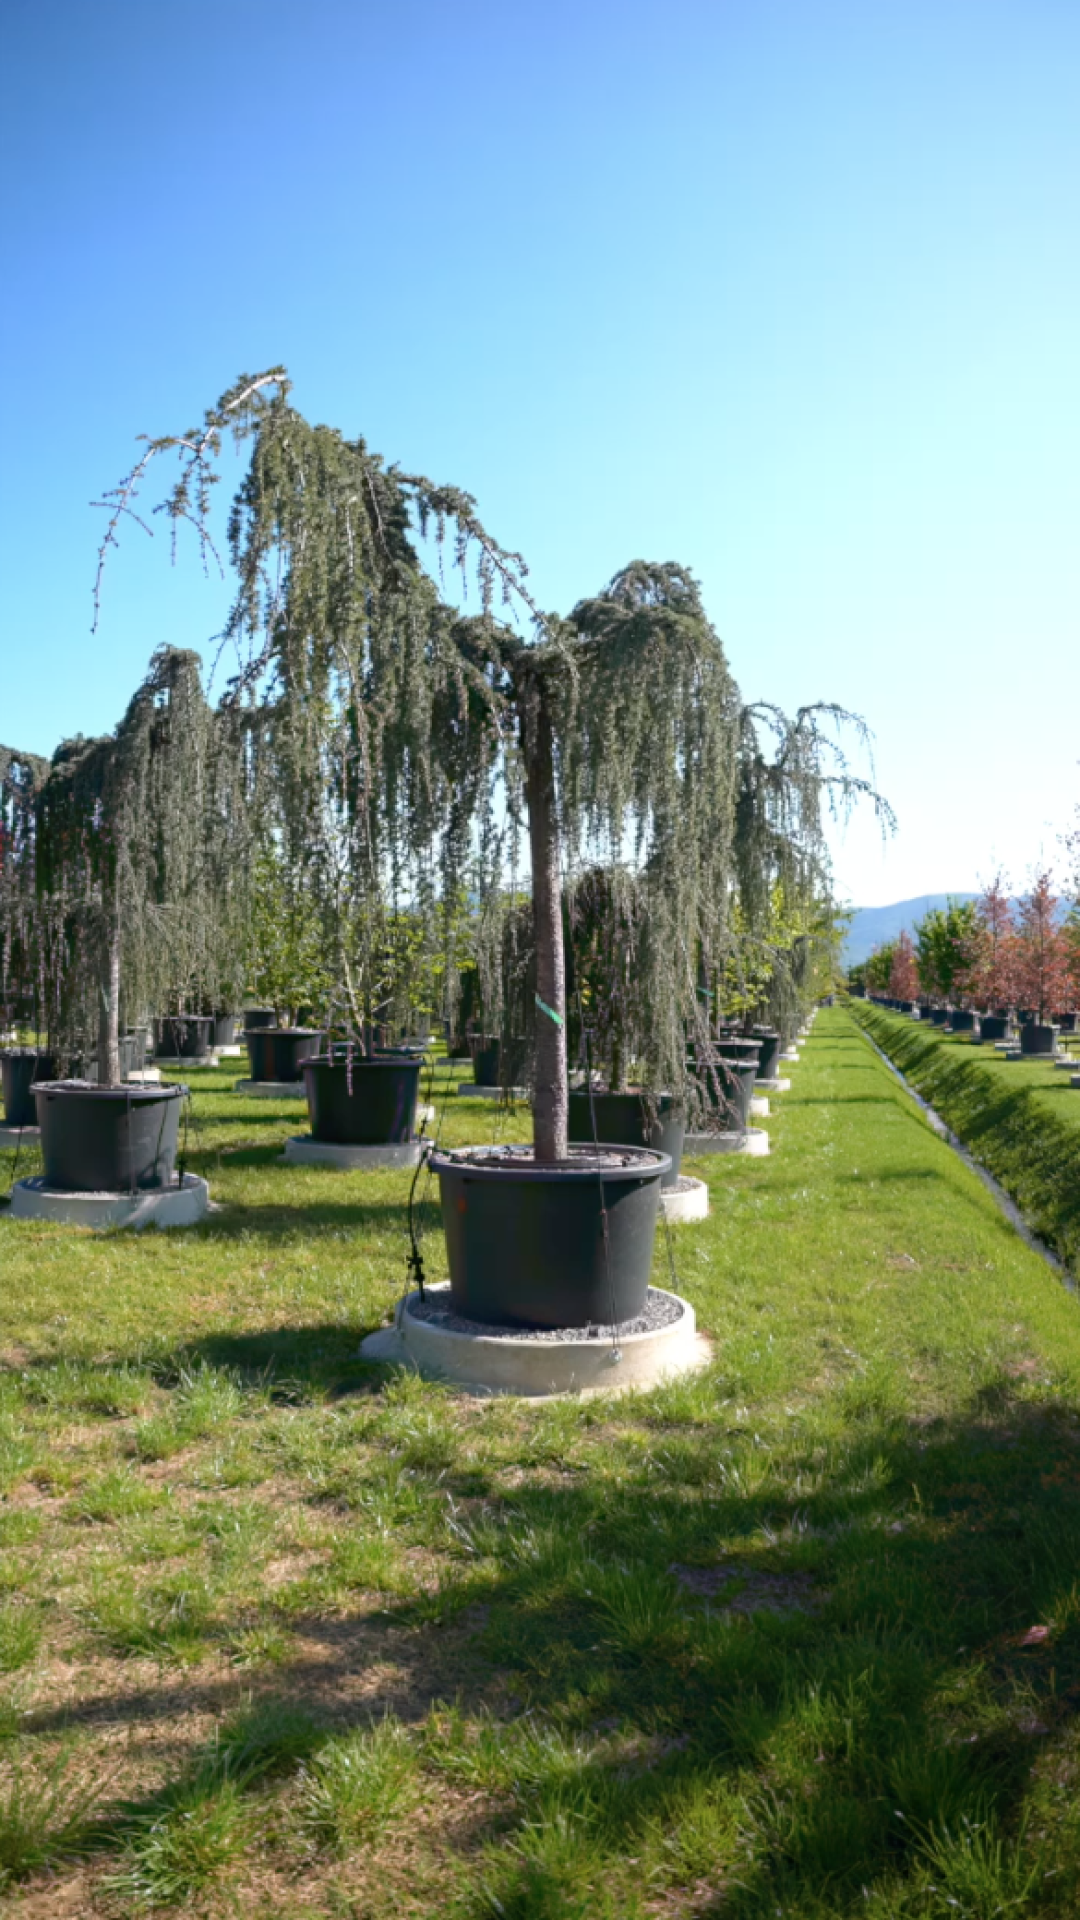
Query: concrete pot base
[[230, 1053], [12, 1136], [303, 1151], [536, 1368], [790, 1053], [145, 1076], [468, 1091], [759, 1105], [271, 1089], [754, 1141], [688, 1199], [177, 1064], [773, 1086], [427, 1114], [178, 1206]]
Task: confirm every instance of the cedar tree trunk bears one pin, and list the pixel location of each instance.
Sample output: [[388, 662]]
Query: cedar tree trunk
[[551, 1098], [109, 1012]]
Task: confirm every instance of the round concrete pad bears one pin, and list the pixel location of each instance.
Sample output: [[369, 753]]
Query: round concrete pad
[[271, 1089], [537, 1368], [754, 1141], [178, 1206], [303, 1151], [145, 1076], [773, 1086], [759, 1106], [688, 1199], [13, 1136]]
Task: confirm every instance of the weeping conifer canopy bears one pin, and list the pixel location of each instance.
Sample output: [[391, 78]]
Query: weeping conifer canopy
[[138, 837], [406, 737]]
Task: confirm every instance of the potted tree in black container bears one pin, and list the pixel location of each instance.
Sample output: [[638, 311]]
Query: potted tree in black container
[[400, 727], [116, 822]]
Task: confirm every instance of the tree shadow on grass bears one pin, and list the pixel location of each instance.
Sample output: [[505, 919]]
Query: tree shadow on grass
[[788, 1683]]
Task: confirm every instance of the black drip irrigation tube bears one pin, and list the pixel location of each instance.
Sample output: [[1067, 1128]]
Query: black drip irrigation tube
[[1004, 1200]]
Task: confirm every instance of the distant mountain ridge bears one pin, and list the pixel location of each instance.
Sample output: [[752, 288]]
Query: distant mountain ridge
[[870, 926]]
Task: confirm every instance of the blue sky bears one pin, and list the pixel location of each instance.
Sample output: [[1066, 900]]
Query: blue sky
[[789, 292]]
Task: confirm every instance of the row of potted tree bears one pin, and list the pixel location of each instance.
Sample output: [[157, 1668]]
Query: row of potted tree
[[578, 808]]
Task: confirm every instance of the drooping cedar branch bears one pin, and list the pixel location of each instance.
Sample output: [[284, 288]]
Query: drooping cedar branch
[[408, 739]]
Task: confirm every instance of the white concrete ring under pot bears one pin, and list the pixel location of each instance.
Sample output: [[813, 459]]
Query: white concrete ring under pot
[[430, 1338], [759, 1105], [685, 1199], [426, 1114], [19, 1136], [145, 1076], [754, 1141], [271, 1089], [773, 1086], [179, 1206], [303, 1151], [790, 1053]]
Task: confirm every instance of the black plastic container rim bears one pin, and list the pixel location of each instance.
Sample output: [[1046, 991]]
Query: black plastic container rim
[[358, 1061], [292, 1033], [649, 1161], [84, 1089]]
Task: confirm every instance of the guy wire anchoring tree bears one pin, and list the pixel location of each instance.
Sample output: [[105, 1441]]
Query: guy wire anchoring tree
[[402, 727]]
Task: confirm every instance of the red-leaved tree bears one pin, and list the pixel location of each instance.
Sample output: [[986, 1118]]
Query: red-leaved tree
[[992, 979], [904, 972], [1042, 957]]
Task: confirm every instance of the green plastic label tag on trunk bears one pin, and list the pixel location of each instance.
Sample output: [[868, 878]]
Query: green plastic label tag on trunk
[[550, 1011]]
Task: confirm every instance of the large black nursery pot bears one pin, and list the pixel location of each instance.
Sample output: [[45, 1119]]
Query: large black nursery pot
[[19, 1068], [276, 1052], [108, 1139], [1065, 1022], [623, 1119], [962, 1021], [1036, 1038], [224, 1029], [728, 1087], [183, 1036], [994, 1026], [769, 1057], [526, 1243], [939, 1015], [491, 1064], [359, 1102], [253, 1017]]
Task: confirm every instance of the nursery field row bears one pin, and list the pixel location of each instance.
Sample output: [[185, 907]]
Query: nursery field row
[[1019, 1118], [284, 1634]]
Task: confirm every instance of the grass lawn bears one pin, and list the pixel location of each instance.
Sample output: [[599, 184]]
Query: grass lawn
[[1020, 1118], [282, 1634]]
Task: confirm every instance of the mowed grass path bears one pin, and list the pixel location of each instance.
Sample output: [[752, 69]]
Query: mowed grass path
[[284, 1635]]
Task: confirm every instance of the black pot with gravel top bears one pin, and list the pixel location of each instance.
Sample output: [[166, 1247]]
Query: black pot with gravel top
[[768, 1066], [630, 1119], [19, 1068], [355, 1101], [183, 1036], [727, 1086], [277, 1053], [1036, 1038], [564, 1245], [498, 1062], [108, 1139]]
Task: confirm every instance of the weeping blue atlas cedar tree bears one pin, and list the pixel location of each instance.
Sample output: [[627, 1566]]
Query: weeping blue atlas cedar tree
[[399, 751]]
